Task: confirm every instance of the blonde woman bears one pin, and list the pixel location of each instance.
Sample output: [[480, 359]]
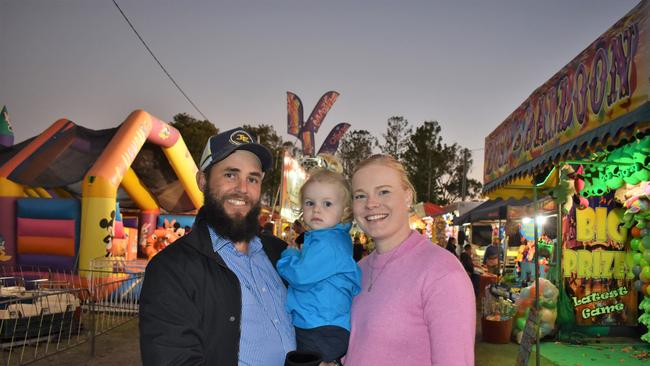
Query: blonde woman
[[416, 305]]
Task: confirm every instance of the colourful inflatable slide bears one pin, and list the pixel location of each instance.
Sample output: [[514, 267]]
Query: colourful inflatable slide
[[144, 162]]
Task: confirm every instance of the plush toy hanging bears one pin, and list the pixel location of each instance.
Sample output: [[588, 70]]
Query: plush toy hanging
[[637, 220]]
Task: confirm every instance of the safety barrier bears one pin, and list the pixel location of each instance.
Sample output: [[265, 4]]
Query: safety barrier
[[44, 312]]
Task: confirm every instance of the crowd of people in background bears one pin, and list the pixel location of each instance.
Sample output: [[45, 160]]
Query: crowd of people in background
[[489, 264]]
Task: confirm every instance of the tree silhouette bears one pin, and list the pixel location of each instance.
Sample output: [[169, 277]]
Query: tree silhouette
[[355, 146], [396, 136]]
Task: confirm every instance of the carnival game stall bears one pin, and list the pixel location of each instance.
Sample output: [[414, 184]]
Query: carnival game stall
[[583, 138], [452, 212], [520, 238], [494, 219], [427, 219]]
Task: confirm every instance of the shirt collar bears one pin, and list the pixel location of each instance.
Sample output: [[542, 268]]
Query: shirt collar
[[343, 226], [219, 242]]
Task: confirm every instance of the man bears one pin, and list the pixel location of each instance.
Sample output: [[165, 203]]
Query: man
[[267, 229], [467, 260], [298, 237], [492, 256], [357, 249], [214, 297], [451, 246]]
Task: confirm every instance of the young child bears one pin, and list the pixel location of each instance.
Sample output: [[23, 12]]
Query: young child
[[323, 277]]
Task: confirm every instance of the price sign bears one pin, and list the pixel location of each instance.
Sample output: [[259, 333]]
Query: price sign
[[528, 339]]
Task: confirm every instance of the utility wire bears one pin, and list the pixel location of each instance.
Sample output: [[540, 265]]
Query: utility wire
[[159, 63]]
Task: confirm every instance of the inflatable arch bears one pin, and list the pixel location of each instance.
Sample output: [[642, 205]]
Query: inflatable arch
[[99, 186], [112, 169]]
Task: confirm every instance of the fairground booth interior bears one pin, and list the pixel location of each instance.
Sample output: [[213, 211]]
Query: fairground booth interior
[[578, 150]]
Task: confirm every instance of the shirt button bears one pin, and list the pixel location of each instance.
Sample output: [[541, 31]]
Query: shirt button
[[276, 321], [232, 318], [263, 289]]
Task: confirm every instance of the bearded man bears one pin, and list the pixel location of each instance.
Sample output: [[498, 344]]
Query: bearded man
[[214, 297]]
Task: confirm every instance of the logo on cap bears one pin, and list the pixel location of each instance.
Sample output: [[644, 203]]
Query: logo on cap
[[240, 137]]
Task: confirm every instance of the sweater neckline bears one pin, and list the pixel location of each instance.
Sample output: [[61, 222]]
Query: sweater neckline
[[381, 260]]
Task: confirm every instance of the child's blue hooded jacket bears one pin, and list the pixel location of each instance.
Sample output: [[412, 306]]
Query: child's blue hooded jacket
[[323, 277]]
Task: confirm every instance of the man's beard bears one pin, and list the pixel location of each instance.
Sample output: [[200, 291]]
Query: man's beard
[[235, 229]]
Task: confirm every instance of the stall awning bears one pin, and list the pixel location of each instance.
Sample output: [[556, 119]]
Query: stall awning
[[490, 210], [428, 209], [624, 129], [600, 99], [522, 187]]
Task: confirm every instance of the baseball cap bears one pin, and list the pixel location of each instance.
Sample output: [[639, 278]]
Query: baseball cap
[[220, 146]]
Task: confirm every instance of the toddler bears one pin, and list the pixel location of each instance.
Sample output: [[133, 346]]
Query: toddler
[[323, 277]]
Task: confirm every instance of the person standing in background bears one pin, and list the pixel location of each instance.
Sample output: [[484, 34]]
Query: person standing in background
[[451, 246], [467, 260], [358, 249], [491, 258]]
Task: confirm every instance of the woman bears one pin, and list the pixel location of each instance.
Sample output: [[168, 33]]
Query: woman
[[416, 305]]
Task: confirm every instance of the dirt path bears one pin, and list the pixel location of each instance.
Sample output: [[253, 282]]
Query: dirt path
[[120, 346]]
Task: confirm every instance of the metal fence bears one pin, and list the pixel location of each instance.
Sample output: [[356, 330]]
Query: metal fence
[[43, 312]]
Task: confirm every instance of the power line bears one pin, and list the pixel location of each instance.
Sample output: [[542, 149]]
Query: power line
[[159, 63]]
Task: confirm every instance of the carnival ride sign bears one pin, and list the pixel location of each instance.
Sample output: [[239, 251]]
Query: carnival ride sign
[[305, 131], [595, 265]]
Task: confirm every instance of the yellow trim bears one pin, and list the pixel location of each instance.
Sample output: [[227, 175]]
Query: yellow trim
[[10, 189], [62, 193], [30, 192], [137, 191], [42, 192], [113, 168], [181, 161], [522, 187]]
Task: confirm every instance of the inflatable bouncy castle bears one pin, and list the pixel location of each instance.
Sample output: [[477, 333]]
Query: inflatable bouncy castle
[[71, 194]]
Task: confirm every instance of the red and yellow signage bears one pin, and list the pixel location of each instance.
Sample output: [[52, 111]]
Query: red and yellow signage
[[609, 79]]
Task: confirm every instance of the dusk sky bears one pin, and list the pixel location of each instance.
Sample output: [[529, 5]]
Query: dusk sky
[[467, 64]]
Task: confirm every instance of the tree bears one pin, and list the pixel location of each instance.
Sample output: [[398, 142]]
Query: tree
[[267, 136], [195, 133], [355, 146], [437, 169], [426, 160], [396, 137], [457, 185]]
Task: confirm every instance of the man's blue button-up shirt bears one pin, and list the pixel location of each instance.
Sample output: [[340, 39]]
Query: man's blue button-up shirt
[[266, 330]]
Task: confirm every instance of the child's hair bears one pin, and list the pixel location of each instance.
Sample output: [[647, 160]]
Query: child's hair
[[327, 176]]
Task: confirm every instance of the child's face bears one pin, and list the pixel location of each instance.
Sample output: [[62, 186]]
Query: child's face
[[322, 205]]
